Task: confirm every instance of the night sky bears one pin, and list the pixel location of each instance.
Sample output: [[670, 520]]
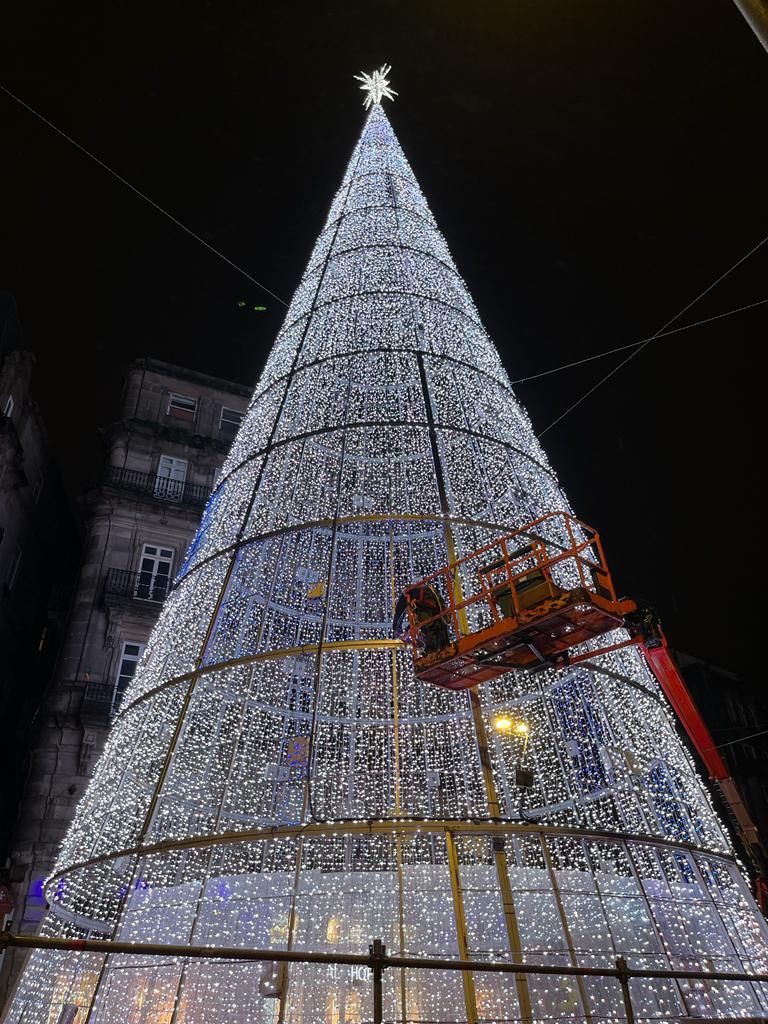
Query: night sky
[[593, 164]]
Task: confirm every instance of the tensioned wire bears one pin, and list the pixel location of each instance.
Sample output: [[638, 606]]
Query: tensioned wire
[[653, 337], [141, 195], [638, 345]]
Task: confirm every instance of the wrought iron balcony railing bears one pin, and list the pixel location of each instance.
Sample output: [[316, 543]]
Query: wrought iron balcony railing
[[137, 586], [98, 701], [161, 487]]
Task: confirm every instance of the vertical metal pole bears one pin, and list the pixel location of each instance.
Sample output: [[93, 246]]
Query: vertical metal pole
[[468, 981], [565, 926], [513, 933], [401, 926], [756, 15], [499, 858], [621, 967], [396, 739], [494, 808], [293, 921], [629, 853], [377, 951]]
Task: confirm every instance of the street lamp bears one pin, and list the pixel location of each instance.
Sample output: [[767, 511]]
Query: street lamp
[[509, 726]]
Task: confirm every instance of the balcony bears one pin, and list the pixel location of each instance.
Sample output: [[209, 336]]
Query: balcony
[[98, 702], [163, 488], [136, 586]]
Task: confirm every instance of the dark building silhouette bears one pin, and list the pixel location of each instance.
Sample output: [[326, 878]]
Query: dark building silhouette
[[39, 547], [736, 711]]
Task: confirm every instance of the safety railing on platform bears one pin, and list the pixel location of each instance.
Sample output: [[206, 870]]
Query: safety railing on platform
[[494, 582]]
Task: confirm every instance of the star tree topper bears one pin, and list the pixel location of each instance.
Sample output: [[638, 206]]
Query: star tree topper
[[376, 85]]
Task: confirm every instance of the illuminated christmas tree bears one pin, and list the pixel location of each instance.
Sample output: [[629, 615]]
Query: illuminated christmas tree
[[278, 778]]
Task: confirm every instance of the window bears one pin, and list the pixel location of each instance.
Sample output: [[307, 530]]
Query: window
[[8, 407], [126, 670], [13, 569], [154, 573], [171, 477], [182, 407], [230, 420]]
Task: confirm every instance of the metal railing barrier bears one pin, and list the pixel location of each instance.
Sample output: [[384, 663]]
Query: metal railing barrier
[[378, 960]]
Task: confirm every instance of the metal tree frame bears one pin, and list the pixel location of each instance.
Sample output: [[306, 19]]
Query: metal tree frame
[[277, 780]]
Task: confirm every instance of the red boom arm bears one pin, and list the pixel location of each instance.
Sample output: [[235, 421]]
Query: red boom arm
[[676, 692], [666, 672]]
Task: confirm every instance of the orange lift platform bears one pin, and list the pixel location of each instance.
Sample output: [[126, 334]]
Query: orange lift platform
[[524, 602], [521, 602]]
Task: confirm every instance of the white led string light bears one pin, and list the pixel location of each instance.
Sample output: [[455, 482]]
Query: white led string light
[[236, 724]]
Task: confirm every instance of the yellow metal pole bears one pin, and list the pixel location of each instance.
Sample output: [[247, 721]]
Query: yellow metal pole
[[470, 1002], [566, 927], [494, 810], [756, 15], [513, 931], [396, 743]]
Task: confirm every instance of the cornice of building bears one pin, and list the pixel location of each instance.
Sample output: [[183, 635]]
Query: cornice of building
[[151, 365]]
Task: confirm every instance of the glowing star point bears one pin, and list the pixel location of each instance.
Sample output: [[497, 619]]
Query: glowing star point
[[376, 86]]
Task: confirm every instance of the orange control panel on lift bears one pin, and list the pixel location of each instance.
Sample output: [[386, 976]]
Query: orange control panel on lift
[[526, 601]]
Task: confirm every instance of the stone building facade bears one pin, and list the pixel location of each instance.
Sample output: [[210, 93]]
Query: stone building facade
[[176, 426]]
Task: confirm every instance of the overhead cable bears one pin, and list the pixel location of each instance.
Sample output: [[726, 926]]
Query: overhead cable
[[643, 344], [142, 195], [636, 344]]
